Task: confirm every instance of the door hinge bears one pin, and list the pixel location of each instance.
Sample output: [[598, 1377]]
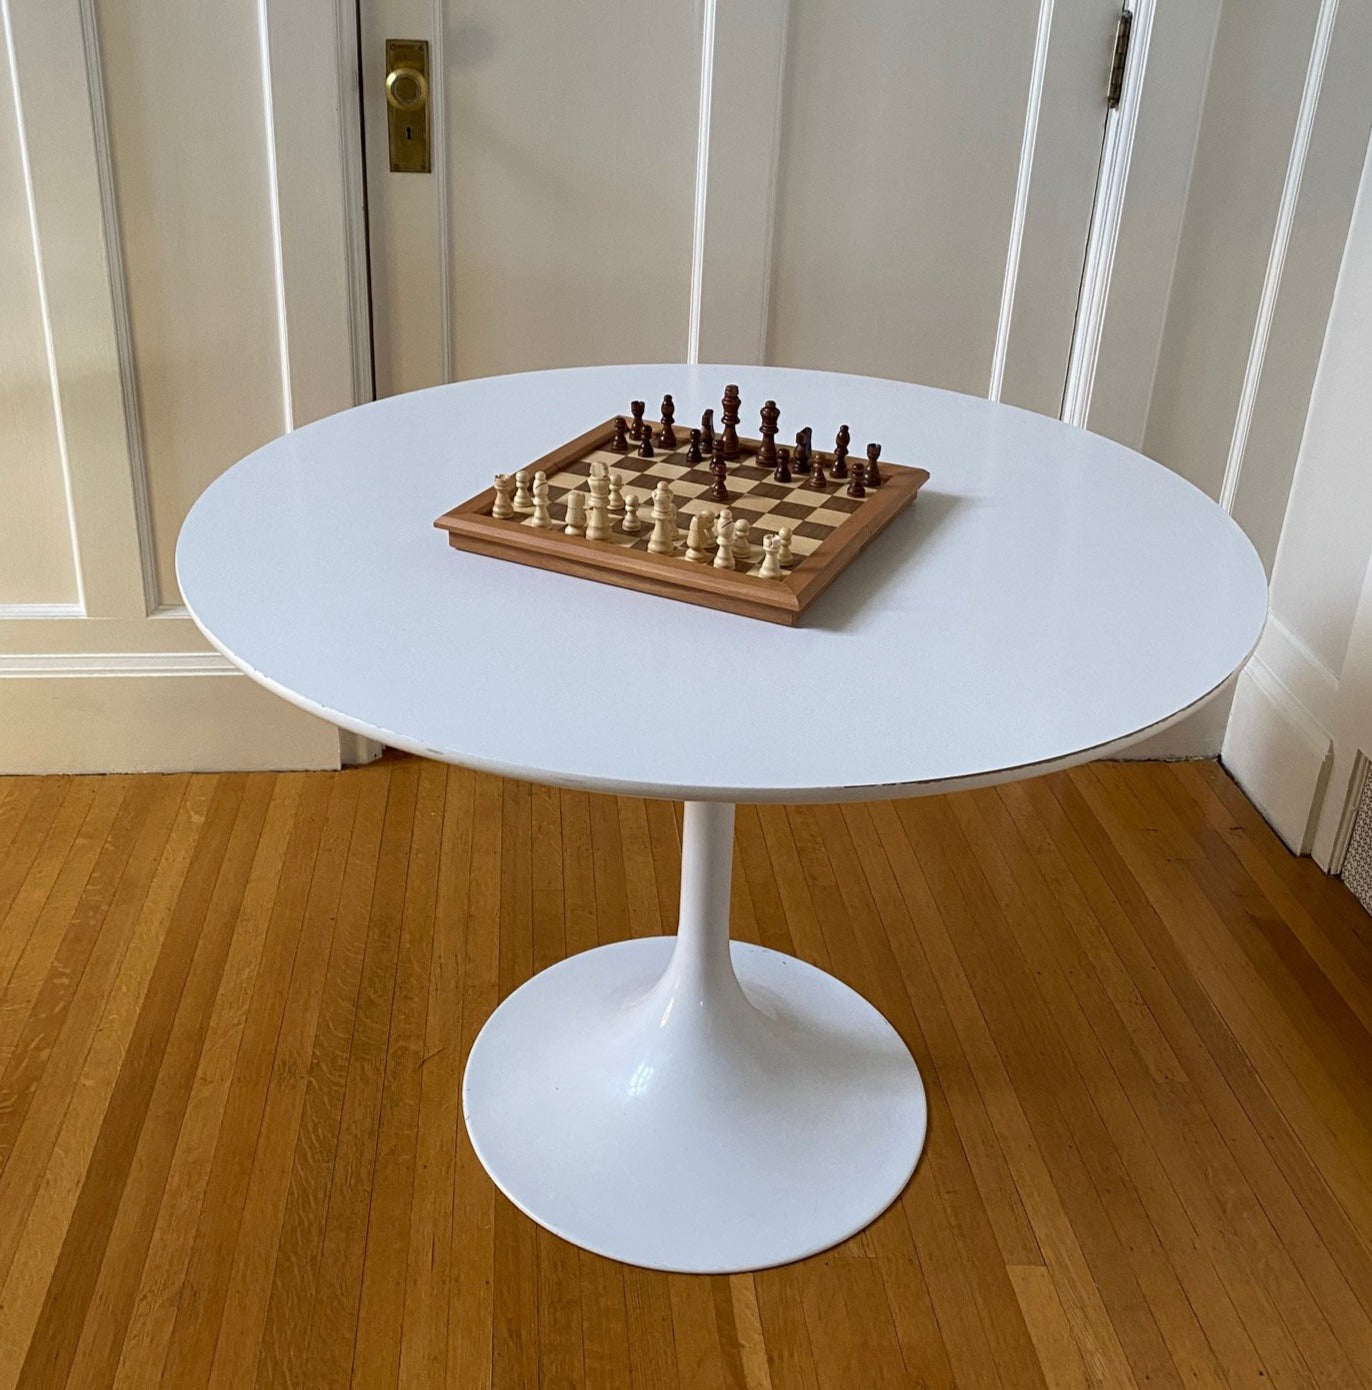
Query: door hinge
[[1117, 63]]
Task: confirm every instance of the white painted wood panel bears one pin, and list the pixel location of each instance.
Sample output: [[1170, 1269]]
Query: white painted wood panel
[[36, 564]]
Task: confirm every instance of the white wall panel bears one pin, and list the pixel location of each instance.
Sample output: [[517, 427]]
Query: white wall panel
[[35, 535]]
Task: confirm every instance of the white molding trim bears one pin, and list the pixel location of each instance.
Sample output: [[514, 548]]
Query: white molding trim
[[1102, 241], [1276, 258], [352, 136], [32, 665], [49, 350], [29, 612], [438, 141], [119, 302], [1037, 74], [707, 79], [283, 341]]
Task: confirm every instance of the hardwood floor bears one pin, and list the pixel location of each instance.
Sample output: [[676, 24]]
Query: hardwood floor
[[234, 1012]]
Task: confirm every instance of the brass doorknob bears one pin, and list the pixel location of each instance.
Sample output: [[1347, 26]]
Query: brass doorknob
[[407, 89]]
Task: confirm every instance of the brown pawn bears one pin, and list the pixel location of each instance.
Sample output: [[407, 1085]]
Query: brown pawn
[[783, 468], [840, 469], [803, 449], [719, 466], [855, 487], [707, 431], [636, 429], [645, 444], [666, 436], [818, 480], [620, 443], [767, 455], [693, 454], [733, 403], [873, 470]]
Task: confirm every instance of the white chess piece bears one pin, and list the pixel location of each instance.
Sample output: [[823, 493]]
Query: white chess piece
[[523, 499], [671, 513], [597, 516], [743, 548], [616, 493], [724, 543], [785, 556], [724, 522], [631, 523], [771, 560], [707, 520], [504, 489], [663, 539], [695, 540], [576, 514], [542, 517]]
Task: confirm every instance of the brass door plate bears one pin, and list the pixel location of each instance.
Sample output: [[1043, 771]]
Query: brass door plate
[[407, 105]]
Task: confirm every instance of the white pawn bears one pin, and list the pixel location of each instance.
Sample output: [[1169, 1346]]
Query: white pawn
[[771, 560], [523, 499], [541, 518], [695, 540], [663, 539], [504, 489], [724, 544], [743, 548], [616, 494], [784, 555], [631, 523], [576, 514]]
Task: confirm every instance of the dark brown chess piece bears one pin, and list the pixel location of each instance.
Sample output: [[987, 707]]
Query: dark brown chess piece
[[620, 443], [636, 429], [783, 462], [873, 478], [855, 487], [840, 468], [818, 481], [733, 403], [645, 444], [707, 431], [666, 436], [803, 449], [719, 466], [767, 455], [693, 454]]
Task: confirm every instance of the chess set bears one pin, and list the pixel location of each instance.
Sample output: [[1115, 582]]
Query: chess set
[[704, 516]]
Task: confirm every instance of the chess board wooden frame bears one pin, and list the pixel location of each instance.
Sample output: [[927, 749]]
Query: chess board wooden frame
[[470, 526]]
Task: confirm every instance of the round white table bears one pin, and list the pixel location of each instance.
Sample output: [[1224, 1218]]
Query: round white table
[[683, 1102]]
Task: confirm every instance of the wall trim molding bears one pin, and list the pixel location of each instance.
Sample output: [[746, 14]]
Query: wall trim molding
[[1019, 215], [707, 82], [32, 612], [85, 665], [1276, 257], [353, 136], [1102, 242], [439, 143]]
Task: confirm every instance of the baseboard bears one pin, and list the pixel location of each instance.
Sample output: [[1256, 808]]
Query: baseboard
[[150, 712], [1278, 746]]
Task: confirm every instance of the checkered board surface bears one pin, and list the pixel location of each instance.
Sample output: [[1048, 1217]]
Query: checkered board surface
[[767, 505]]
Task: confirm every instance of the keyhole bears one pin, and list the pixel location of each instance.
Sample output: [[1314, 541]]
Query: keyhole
[[409, 132]]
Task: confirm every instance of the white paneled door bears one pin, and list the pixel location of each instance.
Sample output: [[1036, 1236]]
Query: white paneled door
[[896, 187]]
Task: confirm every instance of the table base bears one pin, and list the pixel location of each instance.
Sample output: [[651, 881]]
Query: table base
[[690, 1104]]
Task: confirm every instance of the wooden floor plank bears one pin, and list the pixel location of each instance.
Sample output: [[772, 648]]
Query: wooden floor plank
[[234, 1013]]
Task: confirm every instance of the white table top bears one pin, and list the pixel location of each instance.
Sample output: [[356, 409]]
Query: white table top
[[1050, 597]]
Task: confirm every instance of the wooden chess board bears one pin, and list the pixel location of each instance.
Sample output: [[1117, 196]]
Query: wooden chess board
[[828, 529]]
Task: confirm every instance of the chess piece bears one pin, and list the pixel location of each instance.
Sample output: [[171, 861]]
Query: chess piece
[[707, 520], [719, 491], [707, 431], [673, 529], [841, 442], [818, 480], [645, 443], [693, 454], [631, 525], [782, 458], [636, 429], [873, 478], [503, 509], [542, 517], [695, 540], [620, 443], [666, 436], [804, 448], [598, 509], [523, 498], [855, 487], [663, 539], [767, 455], [771, 562], [724, 543], [616, 493], [784, 547], [743, 547], [733, 403], [576, 514]]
